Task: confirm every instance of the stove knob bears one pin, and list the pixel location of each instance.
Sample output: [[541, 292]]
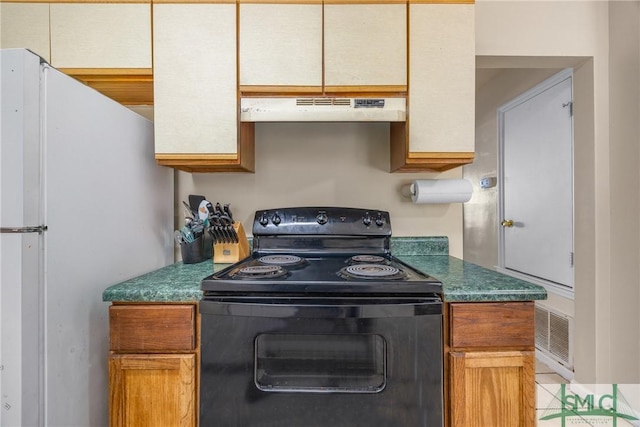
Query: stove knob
[[263, 220], [276, 219], [379, 221], [366, 220], [322, 218]]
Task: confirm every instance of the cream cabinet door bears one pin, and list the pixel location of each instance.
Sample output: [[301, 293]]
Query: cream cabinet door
[[105, 35], [280, 45], [25, 25], [365, 45], [441, 78], [195, 85]]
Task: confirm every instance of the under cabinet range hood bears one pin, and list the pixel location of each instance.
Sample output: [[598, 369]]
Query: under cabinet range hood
[[322, 109]]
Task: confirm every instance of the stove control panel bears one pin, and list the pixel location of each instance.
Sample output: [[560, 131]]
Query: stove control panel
[[322, 221]]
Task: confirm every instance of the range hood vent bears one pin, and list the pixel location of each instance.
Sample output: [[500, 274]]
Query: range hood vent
[[322, 109], [323, 101]]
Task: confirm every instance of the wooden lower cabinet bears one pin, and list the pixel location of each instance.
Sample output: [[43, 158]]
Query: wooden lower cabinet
[[152, 390], [490, 364], [494, 389], [153, 365]]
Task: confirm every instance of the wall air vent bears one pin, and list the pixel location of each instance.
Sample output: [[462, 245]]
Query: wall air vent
[[554, 336]]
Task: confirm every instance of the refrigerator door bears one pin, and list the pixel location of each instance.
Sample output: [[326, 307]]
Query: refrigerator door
[[109, 212], [83, 166], [21, 251]]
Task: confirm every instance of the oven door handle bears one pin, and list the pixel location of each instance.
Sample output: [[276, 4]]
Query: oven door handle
[[320, 308]]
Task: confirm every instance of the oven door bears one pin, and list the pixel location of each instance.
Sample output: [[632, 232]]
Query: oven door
[[321, 362]]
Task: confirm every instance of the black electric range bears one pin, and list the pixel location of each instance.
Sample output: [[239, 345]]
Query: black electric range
[[321, 251], [321, 327]]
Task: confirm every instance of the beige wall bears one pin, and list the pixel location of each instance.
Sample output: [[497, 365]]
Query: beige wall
[[540, 28], [535, 35], [330, 164], [624, 78]]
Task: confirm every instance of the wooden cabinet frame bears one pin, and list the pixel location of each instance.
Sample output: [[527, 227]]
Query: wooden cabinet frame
[[404, 160], [154, 364], [489, 364]]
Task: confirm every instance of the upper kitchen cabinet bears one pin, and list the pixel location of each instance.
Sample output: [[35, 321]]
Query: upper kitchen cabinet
[[365, 46], [25, 25], [315, 47], [440, 128], [195, 86], [101, 35], [106, 45], [280, 47]]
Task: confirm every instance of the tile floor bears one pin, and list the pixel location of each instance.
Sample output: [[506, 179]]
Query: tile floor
[[547, 402], [546, 375]]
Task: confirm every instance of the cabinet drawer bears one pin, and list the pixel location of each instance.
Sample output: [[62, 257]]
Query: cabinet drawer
[[487, 325], [152, 328]]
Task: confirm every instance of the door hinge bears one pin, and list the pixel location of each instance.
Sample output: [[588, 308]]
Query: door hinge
[[571, 260], [36, 229], [570, 105]]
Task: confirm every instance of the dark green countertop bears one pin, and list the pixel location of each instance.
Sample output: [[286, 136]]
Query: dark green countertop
[[462, 281]]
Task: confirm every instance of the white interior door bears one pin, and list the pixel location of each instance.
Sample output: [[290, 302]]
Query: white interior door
[[537, 182]]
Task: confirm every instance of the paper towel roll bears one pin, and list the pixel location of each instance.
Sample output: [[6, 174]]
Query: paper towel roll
[[441, 191]]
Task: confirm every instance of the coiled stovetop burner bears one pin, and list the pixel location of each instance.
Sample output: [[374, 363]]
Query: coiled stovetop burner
[[285, 260], [369, 259], [260, 272], [371, 271]]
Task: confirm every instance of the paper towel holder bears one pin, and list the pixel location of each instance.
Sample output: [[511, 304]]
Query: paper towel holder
[[438, 191]]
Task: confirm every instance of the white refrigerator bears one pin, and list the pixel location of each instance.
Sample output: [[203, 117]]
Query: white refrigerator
[[83, 206]]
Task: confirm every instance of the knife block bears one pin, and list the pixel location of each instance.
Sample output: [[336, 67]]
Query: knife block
[[229, 253]]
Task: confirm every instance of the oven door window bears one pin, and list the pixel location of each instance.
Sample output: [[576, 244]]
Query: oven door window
[[342, 363]]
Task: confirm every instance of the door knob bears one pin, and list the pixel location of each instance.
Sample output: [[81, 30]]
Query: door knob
[[507, 223]]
